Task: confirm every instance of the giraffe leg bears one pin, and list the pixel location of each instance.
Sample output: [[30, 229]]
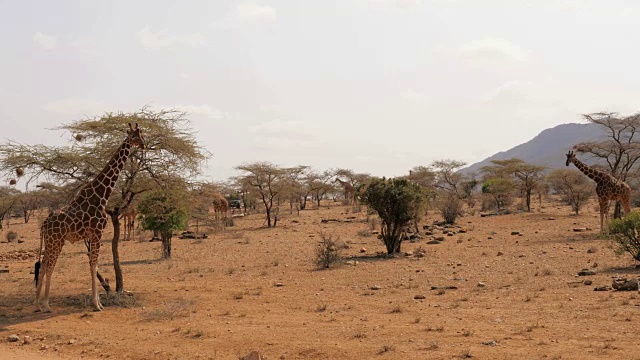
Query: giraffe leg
[[39, 286], [93, 266], [46, 272]]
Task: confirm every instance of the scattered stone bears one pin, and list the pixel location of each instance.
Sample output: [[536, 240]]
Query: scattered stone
[[440, 238], [515, 233], [588, 282], [579, 229], [408, 253], [415, 237], [375, 287], [586, 272], [351, 262], [490, 343], [591, 251], [481, 284], [72, 341], [622, 284], [500, 253], [450, 233], [4, 271], [27, 340], [450, 287], [254, 355], [278, 285], [433, 242], [13, 338], [602, 288], [363, 250], [419, 297]]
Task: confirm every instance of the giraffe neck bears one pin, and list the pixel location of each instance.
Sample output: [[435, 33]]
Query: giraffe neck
[[585, 169], [102, 185]]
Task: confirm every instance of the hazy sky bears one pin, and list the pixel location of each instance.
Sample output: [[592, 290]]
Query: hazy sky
[[377, 86]]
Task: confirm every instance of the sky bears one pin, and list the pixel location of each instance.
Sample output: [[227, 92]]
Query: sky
[[376, 86]]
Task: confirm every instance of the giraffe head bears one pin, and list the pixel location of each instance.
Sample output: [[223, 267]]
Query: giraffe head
[[135, 136], [570, 157]]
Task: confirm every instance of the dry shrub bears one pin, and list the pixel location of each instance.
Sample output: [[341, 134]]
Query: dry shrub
[[327, 251], [11, 236], [450, 208]]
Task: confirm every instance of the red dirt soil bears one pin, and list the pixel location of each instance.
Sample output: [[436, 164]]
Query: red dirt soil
[[251, 288]]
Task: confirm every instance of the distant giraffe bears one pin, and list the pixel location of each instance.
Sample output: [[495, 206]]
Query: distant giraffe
[[349, 191], [607, 188], [220, 207], [84, 218], [129, 219]]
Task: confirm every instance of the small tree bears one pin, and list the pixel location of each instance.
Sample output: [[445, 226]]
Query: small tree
[[574, 187], [395, 201], [625, 233], [8, 198], [164, 211], [28, 202], [266, 179], [498, 190]]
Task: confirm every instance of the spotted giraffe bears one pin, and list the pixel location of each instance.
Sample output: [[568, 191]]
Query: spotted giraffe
[[607, 188], [84, 218]]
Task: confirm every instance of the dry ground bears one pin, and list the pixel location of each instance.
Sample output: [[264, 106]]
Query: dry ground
[[251, 288]]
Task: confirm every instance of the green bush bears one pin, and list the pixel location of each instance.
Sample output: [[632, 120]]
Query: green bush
[[396, 201], [625, 233]]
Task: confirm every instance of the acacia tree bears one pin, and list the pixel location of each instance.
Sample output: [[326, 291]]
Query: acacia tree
[[318, 184], [28, 202], [620, 150], [574, 187], [266, 179], [526, 177], [171, 148], [8, 199]]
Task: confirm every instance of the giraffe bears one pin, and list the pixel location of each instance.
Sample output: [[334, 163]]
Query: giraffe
[[349, 190], [607, 188], [83, 218], [129, 218], [220, 206]]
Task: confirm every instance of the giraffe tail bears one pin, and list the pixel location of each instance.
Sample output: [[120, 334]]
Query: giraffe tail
[[36, 269]]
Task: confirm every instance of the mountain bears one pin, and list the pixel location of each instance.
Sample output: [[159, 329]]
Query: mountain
[[548, 148]]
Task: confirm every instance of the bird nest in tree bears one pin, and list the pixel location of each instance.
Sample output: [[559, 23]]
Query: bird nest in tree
[[79, 137], [12, 182], [19, 172]]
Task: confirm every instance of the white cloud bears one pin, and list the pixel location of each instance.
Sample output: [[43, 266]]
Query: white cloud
[[200, 110], [398, 3], [509, 93], [492, 48], [284, 134], [281, 128], [76, 106], [247, 13], [46, 41], [255, 13], [163, 39], [413, 95]]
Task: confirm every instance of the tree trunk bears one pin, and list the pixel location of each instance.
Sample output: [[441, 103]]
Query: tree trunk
[[528, 201], [115, 221], [166, 245]]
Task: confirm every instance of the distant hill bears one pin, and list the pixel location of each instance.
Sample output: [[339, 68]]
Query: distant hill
[[548, 148]]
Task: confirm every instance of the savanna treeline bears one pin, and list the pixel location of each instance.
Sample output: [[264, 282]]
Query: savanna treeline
[[164, 182]]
